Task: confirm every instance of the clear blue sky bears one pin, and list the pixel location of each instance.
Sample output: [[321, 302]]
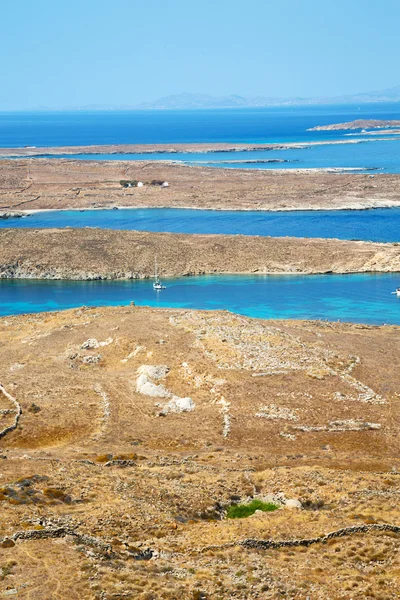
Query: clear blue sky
[[61, 53]]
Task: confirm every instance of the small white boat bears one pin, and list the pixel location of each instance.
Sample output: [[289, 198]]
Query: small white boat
[[397, 292], [157, 285]]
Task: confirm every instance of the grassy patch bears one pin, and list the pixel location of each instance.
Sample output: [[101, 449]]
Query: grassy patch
[[240, 511]]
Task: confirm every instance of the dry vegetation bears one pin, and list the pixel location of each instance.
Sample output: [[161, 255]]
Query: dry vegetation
[[105, 494], [126, 434], [105, 254], [59, 184]]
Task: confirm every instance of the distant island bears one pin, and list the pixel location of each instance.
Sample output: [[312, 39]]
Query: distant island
[[201, 101], [193, 101], [357, 124]]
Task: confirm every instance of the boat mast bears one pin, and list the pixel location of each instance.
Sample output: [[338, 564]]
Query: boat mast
[[155, 269]]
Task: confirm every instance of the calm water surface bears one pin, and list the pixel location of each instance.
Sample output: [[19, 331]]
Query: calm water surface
[[380, 225], [252, 125], [356, 298]]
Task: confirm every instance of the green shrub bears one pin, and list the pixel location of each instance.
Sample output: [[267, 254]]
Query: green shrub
[[240, 511]]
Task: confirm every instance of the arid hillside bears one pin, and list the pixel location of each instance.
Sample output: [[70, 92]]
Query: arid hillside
[[105, 254], [129, 433]]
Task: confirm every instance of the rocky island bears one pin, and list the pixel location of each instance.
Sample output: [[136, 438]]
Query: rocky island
[[358, 124], [27, 184], [87, 254]]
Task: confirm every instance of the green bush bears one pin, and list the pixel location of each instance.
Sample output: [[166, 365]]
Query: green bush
[[240, 511]]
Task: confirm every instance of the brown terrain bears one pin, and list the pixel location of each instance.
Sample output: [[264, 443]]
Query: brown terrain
[[127, 433], [27, 185], [106, 254], [33, 151], [358, 124]]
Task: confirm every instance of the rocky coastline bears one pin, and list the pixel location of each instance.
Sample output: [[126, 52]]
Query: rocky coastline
[[12, 214], [103, 254]]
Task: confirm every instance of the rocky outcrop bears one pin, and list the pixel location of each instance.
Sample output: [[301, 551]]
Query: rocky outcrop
[[12, 214]]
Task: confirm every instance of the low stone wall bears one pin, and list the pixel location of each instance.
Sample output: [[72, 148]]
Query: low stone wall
[[250, 544], [17, 411], [256, 544], [345, 531], [55, 533]]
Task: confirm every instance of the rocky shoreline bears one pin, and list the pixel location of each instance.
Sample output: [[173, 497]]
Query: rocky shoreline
[[103, 254], [13, 214]]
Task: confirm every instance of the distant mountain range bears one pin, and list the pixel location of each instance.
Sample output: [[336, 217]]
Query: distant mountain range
[[193, 101], [198, 101]]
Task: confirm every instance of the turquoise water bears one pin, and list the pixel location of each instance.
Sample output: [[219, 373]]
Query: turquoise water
[[381, 225], [365, 156], [365, 298], [356, 298]]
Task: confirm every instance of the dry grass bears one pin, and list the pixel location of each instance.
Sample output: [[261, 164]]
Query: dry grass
[[96, 253], [136, 480], [90, 184]]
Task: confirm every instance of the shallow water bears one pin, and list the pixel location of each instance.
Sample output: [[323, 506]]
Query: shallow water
[[380, 225], [356, 298]]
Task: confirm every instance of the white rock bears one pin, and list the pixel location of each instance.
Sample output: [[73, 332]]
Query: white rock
[[148, 388], [147, 374], [91, 360], [292, 503], [178, 405], [92, 343], [153, 371]]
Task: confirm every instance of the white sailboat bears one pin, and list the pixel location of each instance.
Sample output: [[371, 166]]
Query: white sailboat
[[157, 285], [397, 292]]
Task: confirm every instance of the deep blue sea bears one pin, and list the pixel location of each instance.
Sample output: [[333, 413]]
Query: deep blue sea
[[355, 298], [378, 225], [251, 125], [254, 126]]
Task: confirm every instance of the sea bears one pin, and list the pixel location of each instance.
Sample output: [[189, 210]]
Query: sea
[[248, 125], [338, 150], [364, 298], [360, 298], [378, 225]]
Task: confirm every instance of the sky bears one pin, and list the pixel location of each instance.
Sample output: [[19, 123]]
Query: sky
[[67, 53]]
